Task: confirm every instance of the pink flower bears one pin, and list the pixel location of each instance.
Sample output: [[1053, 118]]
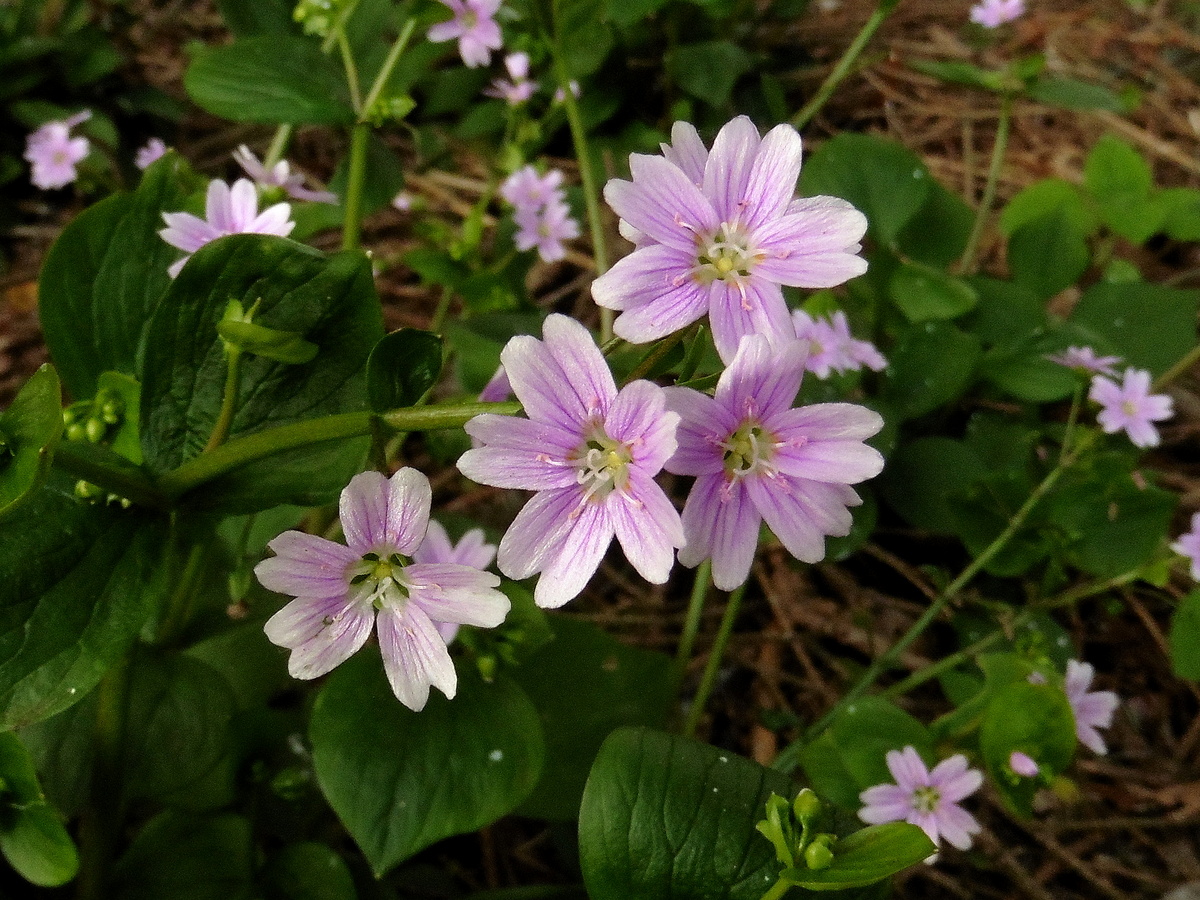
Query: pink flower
[[590, 451], [926, 799], [719, 232], [1092, 709], [517, 88], [1023, 764], [1130, 406], [472, 551], [525, 188], [993, 13], [343, 591], [1085, 359], [403, 201], [755, 457], [53, 154], [543, 218], [153, 151], [1189, 545], [279, 176], [832, 347], [227, 210], [474, 27]]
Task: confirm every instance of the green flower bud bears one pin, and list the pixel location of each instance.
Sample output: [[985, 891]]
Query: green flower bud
[[76, 432], [85, 490], [291, 783], [95, 429], [817, 855], [807, 805]]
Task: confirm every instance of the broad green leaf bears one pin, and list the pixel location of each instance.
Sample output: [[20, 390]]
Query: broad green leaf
[[330, 301], [1185, 637], [932, 364], [29, 431], [709, 70], [272, 79], [32, 836], [923, 474], [1021, 368], [308, 871], [178, 856], [630, 12], [1149, 326], [667, 817], [1071, 93], [582, 38], [585, 684], [1181, 221], [104, 276], [402, 368], [886, 181], [1034, 719], [1048, 254], [867, 856], [401, 780], [937, 234], [924, 293], [1006, 312], [985, 509], [260, 17], [79, 583], [1114, 171], [1048, 196]]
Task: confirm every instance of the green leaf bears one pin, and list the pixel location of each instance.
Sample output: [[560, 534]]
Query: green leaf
[[924, 293], [867, 856], [331, 301], [923, 474], [1120, 180], [272, 79], [402, 368], [1034, 719], [583, 40], [1185, 637], [937, 234], [103, 277], [260, 17], [1150, 326], [630, 12], [884, 179], [401, 780], [585, 684], [32, 836], [308, 871], [1049, 195], [79, 583], [29, 432], [667, 817], [709, 70], [269, 343], [1182, 219], [962, 72], [1071, 93], [1048, 254], [931, 365], [183, 857]]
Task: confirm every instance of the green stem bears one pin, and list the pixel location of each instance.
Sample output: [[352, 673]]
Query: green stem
[[279, 143], [351, 72], [385, 71], [966, 265], [123, 478], [443, 309], [228, 400], [844, 65], [179, 606], [777, 890], [356, 177], [714, 660], [1072, 420], [260, 445], [691, 626], [1189, 360]]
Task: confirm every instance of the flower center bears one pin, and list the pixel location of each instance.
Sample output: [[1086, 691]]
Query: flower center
[[1129, 408], [601, 465], [379, 579], [726, 256], [925, 799], [749, 451]]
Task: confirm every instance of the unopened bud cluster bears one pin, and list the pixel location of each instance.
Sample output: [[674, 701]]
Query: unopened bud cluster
[[95, 420], [803, 847]]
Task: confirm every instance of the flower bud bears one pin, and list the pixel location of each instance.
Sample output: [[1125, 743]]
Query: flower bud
[[1023, 764], [95, 430], [817, 855], [807, 805]]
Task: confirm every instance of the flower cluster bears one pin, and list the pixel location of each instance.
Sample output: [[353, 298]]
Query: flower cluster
[[474, 27], [518, 87], [227, 210], [541, 212], [831, 346], [53, 153], [994, 13], [1128, 406]]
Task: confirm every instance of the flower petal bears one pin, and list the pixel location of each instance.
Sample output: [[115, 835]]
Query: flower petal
[[537, 531], [638, 417], [647, 526], [727, 172], [703, 425], [763, 379], [686, 151], [753, 306], [414, 656], [579, 554], [662, 202], [720, 521], [771, 183], [519, 453], [448, 592], [322, 633], [306, 565], [907, 768]]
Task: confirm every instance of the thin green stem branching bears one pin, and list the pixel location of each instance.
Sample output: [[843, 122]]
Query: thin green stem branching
[[966, 265], [351, 68], [1185, 364], [283, 134], [708, 679], [385, 71]]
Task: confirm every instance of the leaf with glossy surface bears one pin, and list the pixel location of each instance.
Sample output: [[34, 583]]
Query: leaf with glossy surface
[[178, 856], [932, 364], [1049, 253], [402, 368], [29, 431], [401, 780], [867, 856], [667, 817]]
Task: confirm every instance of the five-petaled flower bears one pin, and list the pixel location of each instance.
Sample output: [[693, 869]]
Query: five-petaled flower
[[590, 451], [53, 154], [227, 210], [1092, 709], [994, 13], [475, 28], [831, 346], [926, 799], [719, 232], [279, 175], [756, 458], [343, 590], [518, 87], [1129, 406], [1085, 359]]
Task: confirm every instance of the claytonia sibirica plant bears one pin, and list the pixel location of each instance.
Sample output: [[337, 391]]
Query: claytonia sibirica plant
[[518, 87], [1086, 361], [541, 212], [994, 13], [152, 151], [831, 346], [1130, 407], [343, 591], [279, 175], [53, 153], [474, 27], [472, 551]]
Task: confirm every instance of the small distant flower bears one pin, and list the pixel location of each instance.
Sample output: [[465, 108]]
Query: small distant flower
[[926, 799], [541, 213], [1092, 709], [1085, 359], [279, 175], [53, 154], [497, 389], [472, 551], [403, 201], [832, 347], [1130, 406], [525, 188], [1023, 764], [560, 95], [517, 88], [994, 13], [153, 151], [227, 210], [1189, 545], [590, 451], [474, 27], [755, 457], [344, 590], [719, 233]]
